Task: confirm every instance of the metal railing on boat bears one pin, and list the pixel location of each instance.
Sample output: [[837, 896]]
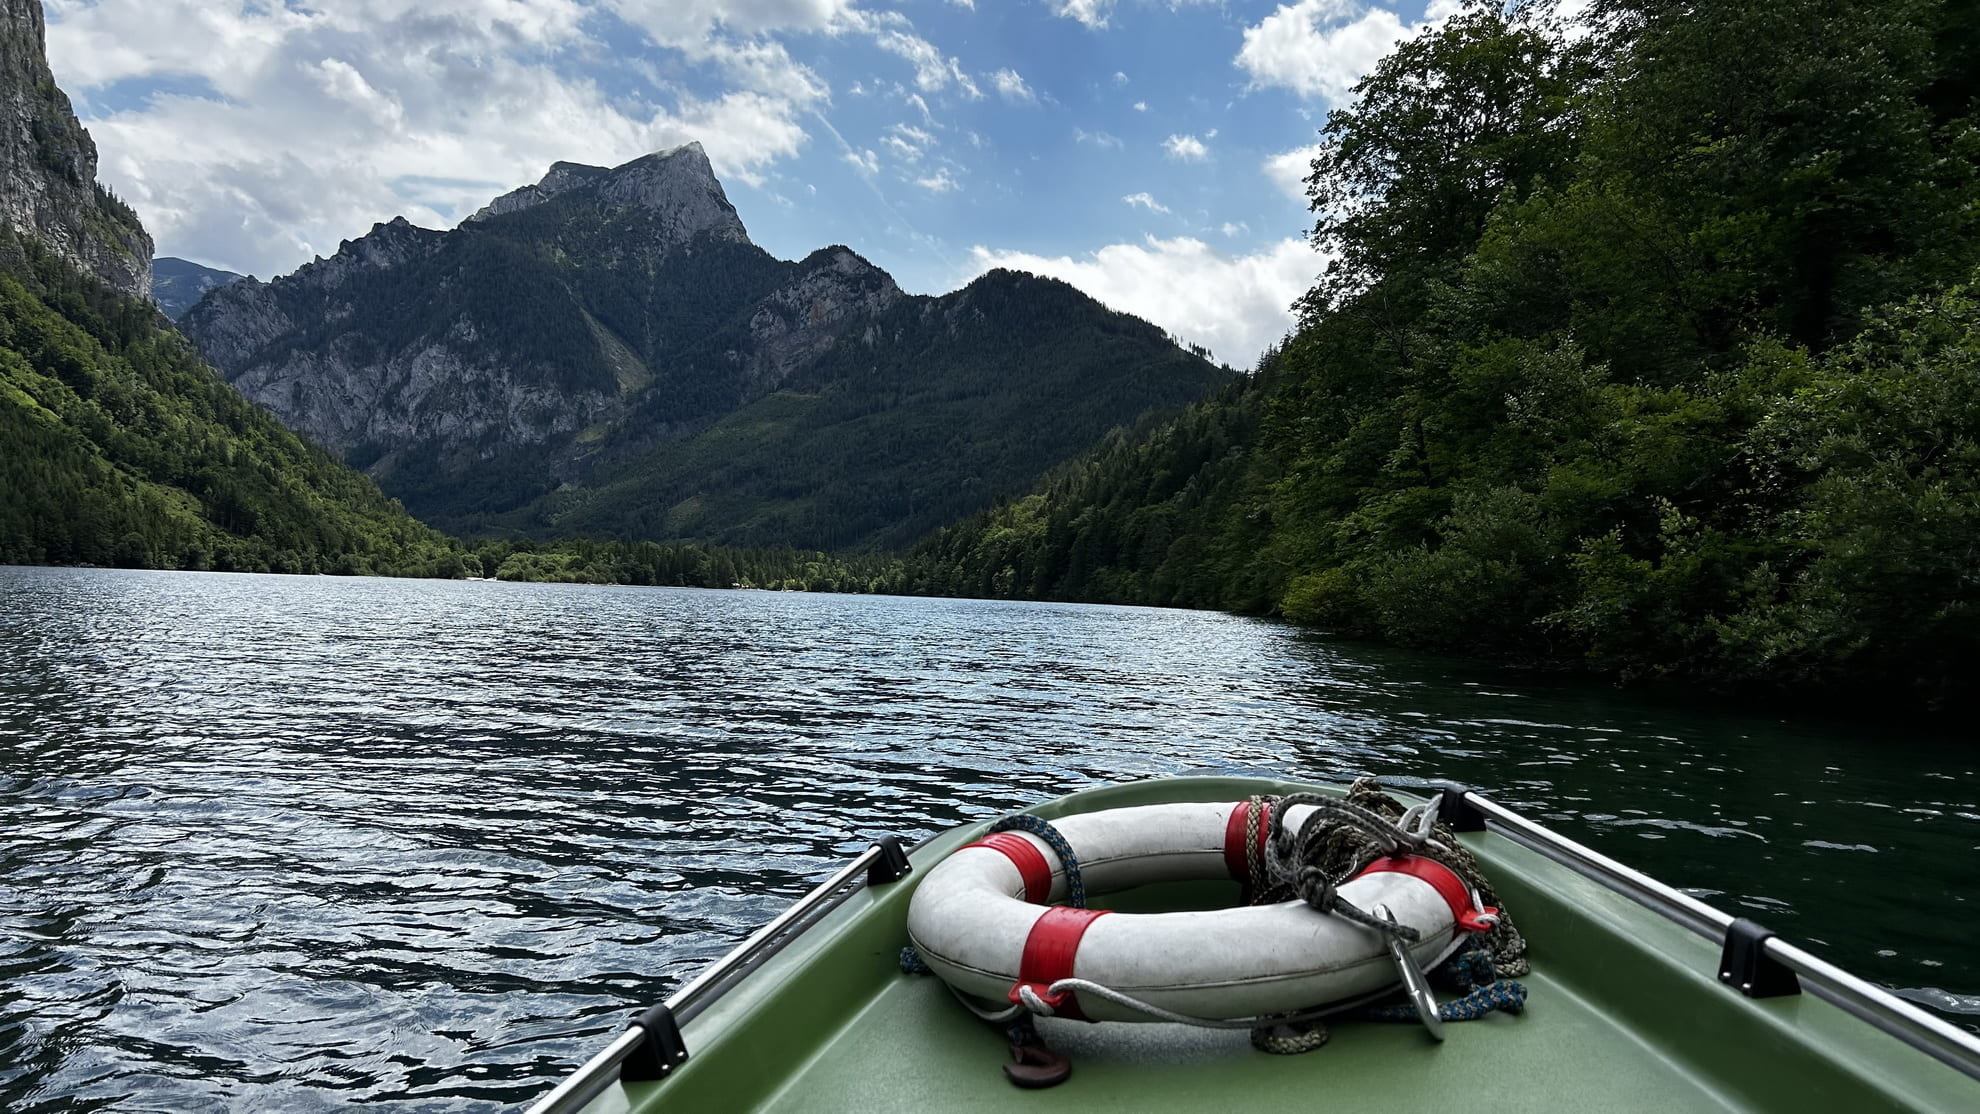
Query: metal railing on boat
[[884, 861], [1931, 1035]]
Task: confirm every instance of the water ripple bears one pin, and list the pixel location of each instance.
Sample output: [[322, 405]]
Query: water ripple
[[290, 842]]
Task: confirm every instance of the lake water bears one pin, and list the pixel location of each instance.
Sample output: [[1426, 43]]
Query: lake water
[[288, 843]]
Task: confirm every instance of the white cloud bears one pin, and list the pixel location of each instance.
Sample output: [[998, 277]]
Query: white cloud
[[323, 121], [1234, 228], [932, 71], [1146, 201], [1095, 13], [1289, 171], [939, 182], [1186, 147], [866, 162], [906, 142], [1322, 48], [1010, 85], [1120, 78], [1236, 306], [1141, 106], [679, 22], [1098, 139]]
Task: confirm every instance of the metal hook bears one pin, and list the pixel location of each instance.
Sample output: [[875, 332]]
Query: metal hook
[[1413, 978], [1036, 1065]]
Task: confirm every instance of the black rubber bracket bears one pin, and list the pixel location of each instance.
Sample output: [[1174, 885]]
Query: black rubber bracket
[[892, 865], [1453, 809], [660, 1053], [1745, 966]]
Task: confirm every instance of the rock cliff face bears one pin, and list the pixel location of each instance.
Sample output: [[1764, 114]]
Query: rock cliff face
[[547, 347], [555, 308], [677, 188], [48, 187]]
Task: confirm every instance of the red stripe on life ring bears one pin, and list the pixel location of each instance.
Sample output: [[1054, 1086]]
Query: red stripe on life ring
[[1029, 860], [1449, 886], [1049, 952], [1236, 831], [1240, 833]]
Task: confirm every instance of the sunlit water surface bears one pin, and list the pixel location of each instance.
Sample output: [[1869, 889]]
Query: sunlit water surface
[[288, 843]]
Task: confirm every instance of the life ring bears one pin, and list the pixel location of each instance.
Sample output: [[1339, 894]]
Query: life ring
[[983, 922]]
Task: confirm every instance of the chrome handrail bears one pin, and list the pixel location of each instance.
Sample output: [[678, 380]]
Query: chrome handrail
[[1937, 1038], [596, 1074]]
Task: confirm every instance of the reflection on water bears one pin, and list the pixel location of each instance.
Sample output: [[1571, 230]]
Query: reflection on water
[[290, 842]]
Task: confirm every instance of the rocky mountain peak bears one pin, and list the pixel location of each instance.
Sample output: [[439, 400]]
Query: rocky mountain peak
[[678, 186], [48, 187]]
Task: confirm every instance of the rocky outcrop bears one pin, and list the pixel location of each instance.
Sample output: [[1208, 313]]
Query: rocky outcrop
[[48, 187], [678, 187], [238, 328], [803, 319]]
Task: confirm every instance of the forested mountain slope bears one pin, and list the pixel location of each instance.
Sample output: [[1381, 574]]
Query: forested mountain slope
[[118, 446], [123, 448], [1639, 351], [605, 352]]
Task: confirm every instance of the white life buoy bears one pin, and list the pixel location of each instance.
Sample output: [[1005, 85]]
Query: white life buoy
[[983, 922]]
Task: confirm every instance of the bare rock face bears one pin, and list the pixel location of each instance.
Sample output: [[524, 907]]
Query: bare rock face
[[308, 348], [597, 301], [233, 329], [48, 188], [678, 186], [803, 319]]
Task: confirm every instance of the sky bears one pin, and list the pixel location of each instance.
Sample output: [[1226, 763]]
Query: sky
[[1150, 152]]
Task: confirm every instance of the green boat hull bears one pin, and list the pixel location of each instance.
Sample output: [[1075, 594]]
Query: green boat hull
[[1625, 1013]]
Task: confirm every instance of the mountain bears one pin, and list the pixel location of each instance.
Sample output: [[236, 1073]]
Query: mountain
[[120, 446], [48, 187], [177, 283], [606, 352]]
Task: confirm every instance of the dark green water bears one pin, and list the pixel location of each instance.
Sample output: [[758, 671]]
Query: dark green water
[[292, 843]]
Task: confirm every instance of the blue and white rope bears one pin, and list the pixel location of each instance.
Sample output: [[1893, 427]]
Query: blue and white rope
[[1043, 829]]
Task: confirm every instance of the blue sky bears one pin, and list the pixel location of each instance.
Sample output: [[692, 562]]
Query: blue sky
[[1149, 151]]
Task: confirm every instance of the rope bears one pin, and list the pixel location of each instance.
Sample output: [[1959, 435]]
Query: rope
[[1043, 829], [1508, 996], [1289, 1039], [1345, 856], [1292, 859], [1089, 988]]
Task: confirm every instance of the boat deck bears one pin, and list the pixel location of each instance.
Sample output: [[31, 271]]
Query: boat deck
[[1625, 1014]]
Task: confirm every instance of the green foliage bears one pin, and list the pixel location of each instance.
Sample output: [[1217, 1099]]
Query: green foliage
[[122, 448], [584, 561], [1639, 353]]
